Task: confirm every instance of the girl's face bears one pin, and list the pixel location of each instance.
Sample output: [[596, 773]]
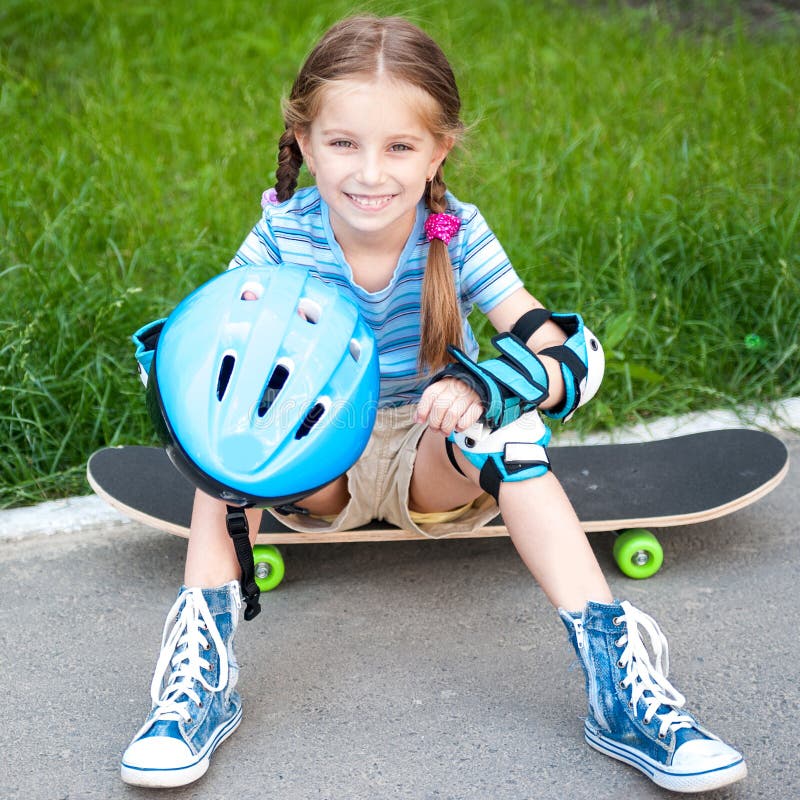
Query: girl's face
[[371, 155]]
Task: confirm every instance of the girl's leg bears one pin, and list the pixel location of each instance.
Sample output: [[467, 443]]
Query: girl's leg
[[551, 542], [195, 706], [210, 557], [635, 714], [539, 517]]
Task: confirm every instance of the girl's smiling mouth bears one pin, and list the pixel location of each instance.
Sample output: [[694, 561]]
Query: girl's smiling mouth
[[370, 202]]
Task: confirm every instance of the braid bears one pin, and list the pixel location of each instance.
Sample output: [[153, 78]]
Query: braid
[[441, 314], [290, 159]]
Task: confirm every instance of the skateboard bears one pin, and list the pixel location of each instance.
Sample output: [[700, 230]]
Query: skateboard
[[625, 488]]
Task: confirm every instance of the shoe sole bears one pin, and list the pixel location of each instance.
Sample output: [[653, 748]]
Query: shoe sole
[[687, 782], [181, 776]]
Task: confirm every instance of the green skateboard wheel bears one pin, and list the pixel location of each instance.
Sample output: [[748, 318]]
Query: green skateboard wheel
[[270, 568], [638, 553]]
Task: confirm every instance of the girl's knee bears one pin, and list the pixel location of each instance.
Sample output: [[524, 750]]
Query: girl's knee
[[436, 483], [328, 501]]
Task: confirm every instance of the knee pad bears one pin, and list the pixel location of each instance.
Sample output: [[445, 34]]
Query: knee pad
[[580, 357], [513, 452]]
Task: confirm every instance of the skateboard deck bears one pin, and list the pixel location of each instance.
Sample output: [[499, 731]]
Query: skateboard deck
[[613, 487]]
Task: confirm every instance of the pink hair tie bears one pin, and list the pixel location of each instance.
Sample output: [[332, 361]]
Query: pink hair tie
[[442, 226], [269, 198]]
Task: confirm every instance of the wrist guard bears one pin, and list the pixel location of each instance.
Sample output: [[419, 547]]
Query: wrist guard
[[510, 385]]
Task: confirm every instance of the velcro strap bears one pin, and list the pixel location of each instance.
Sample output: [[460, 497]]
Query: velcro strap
[[522, 455], [530, 379], [530, 322], [520, 461], [565, 355], [490, 478], [451, 456]]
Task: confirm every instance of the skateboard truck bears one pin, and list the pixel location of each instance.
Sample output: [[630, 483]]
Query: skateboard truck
[[239, 531]]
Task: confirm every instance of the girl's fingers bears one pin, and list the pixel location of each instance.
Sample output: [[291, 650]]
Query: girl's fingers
[[427, 400], [449, 405], [470, 416]]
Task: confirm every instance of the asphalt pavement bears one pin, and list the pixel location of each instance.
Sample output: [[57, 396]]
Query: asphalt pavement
[[399, 670]]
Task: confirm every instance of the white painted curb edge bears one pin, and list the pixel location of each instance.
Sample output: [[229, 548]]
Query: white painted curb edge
[[75, 514]]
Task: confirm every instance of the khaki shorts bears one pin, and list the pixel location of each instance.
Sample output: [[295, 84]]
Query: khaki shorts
[[379, 483]]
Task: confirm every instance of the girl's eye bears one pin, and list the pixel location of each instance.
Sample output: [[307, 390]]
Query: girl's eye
[[399, 147], [342, 143]]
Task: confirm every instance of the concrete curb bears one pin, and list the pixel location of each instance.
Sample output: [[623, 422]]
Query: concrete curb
[[70, 515], [780, 416], [75, 514]]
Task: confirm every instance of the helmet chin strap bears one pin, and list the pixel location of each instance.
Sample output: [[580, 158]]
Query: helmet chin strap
[[239, 531]]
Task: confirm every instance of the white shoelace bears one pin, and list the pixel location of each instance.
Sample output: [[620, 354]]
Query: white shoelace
[[186, 635], [648, 681]]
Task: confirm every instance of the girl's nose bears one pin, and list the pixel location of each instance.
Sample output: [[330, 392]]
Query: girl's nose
[[371, 169]]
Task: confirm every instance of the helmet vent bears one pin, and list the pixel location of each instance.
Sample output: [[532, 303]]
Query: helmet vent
[[252, 290], [355, 349], [312, 418], [225, 372], [276, 381], [309, 310]]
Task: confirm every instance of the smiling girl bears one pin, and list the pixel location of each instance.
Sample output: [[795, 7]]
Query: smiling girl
[[374, 114]]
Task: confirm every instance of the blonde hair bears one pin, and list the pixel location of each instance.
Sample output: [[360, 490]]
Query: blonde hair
[[367, 45]]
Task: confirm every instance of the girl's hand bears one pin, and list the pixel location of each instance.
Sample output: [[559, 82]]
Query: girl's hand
[[448, 405]]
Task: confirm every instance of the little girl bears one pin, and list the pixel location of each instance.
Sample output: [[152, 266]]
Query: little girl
[[373, 114]]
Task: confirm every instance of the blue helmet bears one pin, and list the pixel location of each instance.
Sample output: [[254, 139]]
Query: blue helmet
[[264, 385]]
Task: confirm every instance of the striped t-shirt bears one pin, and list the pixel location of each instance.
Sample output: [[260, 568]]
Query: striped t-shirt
[[299, 232]]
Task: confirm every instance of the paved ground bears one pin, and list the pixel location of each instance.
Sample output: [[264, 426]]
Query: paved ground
[[405, 670]]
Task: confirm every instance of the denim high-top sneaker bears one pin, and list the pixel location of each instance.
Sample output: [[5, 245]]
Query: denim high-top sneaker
[[195, 707], [634, 711]]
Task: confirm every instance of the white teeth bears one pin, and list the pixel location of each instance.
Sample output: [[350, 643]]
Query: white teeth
[[370, 202]]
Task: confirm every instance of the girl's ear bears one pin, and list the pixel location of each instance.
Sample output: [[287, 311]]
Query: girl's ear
[[440, 153]]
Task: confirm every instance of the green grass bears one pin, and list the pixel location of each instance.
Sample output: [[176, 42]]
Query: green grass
[[641, 172]]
